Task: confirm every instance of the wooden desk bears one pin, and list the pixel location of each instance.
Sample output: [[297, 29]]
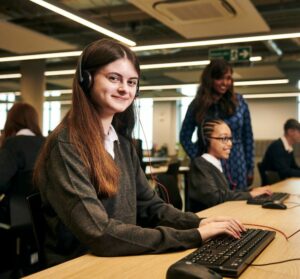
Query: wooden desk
[[155, 266]]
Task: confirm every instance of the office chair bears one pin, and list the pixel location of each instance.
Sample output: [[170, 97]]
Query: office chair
[[169, 190], [38, 223], [173, 168], [268, 177], [19, 229]]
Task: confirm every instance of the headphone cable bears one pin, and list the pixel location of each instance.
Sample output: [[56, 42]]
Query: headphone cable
[[153, 178]]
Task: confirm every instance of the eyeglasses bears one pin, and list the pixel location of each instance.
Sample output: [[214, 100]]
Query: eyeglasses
[[223, 139]]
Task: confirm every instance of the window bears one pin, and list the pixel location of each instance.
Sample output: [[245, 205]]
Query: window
[[51, 112], [6, 102], [144, 126]]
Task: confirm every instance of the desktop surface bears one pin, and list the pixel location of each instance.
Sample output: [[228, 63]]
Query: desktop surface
[[156, 266]]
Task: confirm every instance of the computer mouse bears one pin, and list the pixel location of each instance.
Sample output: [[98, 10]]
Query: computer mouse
[[274, 205], [189, 270]]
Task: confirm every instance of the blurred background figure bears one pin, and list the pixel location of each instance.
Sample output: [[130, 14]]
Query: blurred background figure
[[279, 156], [21, 140], [216, 98]]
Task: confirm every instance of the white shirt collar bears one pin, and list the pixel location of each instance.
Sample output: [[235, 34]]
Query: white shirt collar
[[286, 145], [25, 132], [109, 140], [213, 160]]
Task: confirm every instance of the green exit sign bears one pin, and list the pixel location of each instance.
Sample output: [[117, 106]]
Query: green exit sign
[[237, 54]]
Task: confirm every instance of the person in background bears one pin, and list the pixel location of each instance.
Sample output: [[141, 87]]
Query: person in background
[[208, 184], [279, 155], [21, 141], [216, 98], [95, 195]]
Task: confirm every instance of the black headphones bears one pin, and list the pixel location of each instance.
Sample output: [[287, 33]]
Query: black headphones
[[86, 79]]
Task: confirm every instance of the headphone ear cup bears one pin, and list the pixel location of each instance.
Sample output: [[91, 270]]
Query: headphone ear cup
[[137, 93], [86, 82]]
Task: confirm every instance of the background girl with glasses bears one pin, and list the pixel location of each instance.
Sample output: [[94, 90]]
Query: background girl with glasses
[[208, 184]]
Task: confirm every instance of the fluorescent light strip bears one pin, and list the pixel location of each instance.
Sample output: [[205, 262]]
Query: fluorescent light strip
[[236, 83], [186, 64], [40, 56], [17, 93], [84, 22], [60, 72], [271, 95], [175, 64], [218, 41], [261, 82], [10, 76], [246, 96]]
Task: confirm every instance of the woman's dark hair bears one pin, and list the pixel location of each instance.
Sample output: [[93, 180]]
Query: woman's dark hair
[[205, 93], [83, 123], [20, 116]]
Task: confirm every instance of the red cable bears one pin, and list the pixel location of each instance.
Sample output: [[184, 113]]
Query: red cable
[[234, 184], [267, 227], [294, 233]]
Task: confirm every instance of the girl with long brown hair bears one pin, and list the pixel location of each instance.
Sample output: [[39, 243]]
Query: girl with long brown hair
[[216, 98], [95, 195]]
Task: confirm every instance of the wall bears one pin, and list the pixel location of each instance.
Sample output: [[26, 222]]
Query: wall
[[269, 115], [164, 124]]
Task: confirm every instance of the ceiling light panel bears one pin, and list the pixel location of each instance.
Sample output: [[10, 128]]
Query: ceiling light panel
[[84, 22]]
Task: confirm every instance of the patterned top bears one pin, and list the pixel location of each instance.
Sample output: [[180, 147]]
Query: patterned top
[[241, 162]]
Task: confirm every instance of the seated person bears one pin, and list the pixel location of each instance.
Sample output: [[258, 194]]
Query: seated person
[[95, 196], [208, 184], [20, 143], [279, 156]]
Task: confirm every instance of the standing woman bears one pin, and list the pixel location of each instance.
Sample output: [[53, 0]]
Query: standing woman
[[216, 98], [95, 195], [21, 141]]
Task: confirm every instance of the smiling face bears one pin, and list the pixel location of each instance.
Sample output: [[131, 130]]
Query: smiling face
[[221, 85], [220, 141], [114, 87]]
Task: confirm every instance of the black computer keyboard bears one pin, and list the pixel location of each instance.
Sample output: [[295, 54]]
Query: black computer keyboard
[[228, 256], [276, 196]]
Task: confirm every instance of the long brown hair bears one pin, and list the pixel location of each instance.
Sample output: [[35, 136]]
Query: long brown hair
[[20, 116], [85, 128], [204, 97]]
